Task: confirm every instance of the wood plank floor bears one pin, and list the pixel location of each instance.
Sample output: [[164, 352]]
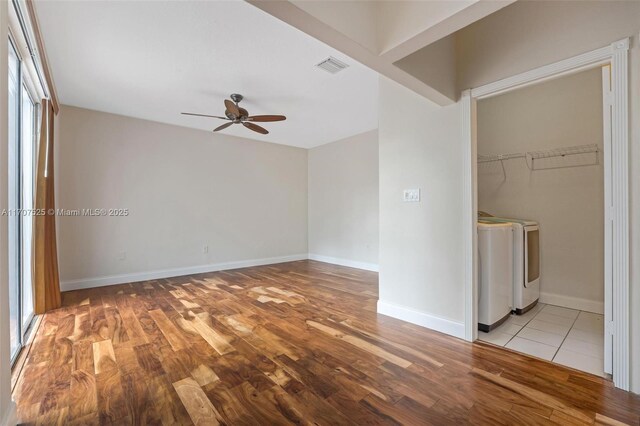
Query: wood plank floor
[[294, 343]]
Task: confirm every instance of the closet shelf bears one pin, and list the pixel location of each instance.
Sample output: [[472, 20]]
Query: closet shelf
[[498, 157], [561, 152], [536, 155]]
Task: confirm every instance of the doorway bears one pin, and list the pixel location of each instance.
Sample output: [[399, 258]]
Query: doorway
[[540, 163], [614, 156]]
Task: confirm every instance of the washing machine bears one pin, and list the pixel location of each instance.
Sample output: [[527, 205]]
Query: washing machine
[[495, 274], [526, 261]]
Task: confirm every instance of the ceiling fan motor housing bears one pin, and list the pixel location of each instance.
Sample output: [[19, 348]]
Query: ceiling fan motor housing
[[238, 115]]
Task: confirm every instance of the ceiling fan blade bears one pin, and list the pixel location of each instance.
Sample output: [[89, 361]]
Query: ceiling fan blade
[[224, 126], [255, 127], [260, 118], [203, 115], [232, 108]]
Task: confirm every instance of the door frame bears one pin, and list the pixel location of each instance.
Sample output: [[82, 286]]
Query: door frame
[[616, 182]]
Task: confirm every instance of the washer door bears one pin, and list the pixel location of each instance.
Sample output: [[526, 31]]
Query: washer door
[[531, 254]]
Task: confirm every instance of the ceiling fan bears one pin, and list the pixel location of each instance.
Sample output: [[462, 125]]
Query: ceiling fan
[[238, 115]]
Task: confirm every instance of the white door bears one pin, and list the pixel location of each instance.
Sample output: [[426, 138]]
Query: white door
[[608, 221]]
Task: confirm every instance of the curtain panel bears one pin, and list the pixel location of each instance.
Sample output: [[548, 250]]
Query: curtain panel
[[45, 266]]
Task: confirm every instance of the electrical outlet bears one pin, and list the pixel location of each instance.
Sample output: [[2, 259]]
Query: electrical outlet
[[411, 195], [205, 249], [122, 255]]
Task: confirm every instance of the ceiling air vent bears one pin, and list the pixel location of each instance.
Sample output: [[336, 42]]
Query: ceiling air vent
[[332, 65]]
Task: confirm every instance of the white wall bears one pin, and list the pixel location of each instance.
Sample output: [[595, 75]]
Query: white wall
[[634, 214], [246, 200], [343, 201], [421, 262], [7, 409], [566, 202]]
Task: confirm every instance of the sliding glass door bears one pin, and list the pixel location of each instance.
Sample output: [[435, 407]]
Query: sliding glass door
[[14, 231], [22, 150], [27, 190]]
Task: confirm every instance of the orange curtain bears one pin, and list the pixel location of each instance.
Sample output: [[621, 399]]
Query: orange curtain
[[46, 281]]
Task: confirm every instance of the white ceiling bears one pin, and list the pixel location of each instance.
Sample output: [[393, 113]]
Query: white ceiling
[[153, 60]]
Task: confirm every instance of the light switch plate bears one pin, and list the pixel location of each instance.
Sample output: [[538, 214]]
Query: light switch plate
[[411, 195]]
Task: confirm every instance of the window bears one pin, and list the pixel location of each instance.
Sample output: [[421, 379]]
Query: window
[[22, 156]]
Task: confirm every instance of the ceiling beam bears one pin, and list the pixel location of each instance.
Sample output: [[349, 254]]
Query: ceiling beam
[[296, 17], [450, 25], [384, 62]]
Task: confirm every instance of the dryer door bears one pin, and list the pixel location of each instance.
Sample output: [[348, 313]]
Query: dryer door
[[531, 254]]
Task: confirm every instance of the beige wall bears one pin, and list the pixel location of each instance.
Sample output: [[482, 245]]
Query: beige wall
[[421, 262], [435, 65], [530, 34], [566, 202], [343, 200], [399, 21], [380, 26], [356, 19], [184, 189], [520, 37]]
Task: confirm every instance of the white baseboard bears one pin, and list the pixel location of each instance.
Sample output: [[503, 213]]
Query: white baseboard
[[175, 272], [344, 262], [452, 328], [572, 302], [106, 280], [10, 419]]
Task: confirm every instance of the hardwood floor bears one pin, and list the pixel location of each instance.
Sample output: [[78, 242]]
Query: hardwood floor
[[294, 343]]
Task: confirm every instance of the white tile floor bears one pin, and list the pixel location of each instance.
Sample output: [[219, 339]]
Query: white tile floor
[[566, 336]]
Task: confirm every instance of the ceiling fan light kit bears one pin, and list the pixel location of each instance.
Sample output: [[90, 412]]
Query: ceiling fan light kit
[[238, 115]]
